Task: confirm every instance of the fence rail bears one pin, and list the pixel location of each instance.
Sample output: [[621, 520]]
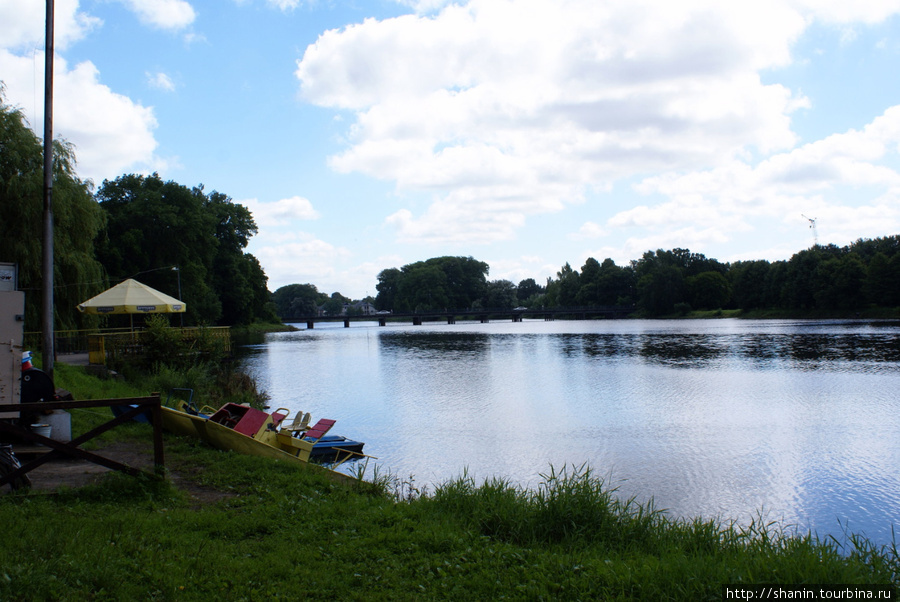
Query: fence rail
[[120, 342]]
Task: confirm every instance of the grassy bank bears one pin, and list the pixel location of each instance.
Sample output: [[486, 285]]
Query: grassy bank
[[275, 532]]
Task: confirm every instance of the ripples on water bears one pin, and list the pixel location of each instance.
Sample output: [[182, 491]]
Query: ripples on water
[[722, 418]]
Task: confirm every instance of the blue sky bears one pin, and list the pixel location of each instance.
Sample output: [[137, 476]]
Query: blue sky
[[525, 133]]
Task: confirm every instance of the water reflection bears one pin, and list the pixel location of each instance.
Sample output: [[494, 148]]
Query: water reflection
[[714, 418], [807, 351], [432, 345]]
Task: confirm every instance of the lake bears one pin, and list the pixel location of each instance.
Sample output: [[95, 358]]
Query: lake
[[794, 421]]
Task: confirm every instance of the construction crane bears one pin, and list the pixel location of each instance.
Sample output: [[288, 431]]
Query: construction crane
[[812, 225]]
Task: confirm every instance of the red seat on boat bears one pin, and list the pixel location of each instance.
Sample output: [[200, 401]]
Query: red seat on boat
[[319, 429]]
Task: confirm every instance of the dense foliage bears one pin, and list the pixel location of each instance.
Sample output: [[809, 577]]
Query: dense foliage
[[441, 282], [78, 221], [154, 226], [830, 278]]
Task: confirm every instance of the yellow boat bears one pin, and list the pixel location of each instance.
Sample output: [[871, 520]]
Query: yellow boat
[[246, 430]]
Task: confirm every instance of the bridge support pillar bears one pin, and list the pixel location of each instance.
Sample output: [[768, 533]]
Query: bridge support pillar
[[309, 325], [346, 323], [417, 321], [517, 318], [382, 322], [451, 319]]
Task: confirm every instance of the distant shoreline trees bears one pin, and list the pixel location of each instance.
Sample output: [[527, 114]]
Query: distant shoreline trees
[[660, 283]]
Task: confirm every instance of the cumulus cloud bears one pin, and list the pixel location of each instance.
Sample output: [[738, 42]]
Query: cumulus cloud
[[160, 81], [512, 108], [590, 230], [164, 14], [284, 5], [822, 178], [282, 212], [111, 132], [22, 24], [298, 258]]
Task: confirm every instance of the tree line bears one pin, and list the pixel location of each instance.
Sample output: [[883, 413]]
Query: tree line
[[660, 283], [182, 241]]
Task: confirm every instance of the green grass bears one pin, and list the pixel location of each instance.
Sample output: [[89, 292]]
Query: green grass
[[285, 533]]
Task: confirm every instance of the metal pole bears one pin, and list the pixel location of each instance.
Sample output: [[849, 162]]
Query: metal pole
[[47, 347], [178, 272]]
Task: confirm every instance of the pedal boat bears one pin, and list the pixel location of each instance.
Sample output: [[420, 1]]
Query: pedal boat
[[246, 430]]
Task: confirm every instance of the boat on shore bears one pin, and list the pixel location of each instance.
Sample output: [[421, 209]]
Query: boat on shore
[[246, 430]]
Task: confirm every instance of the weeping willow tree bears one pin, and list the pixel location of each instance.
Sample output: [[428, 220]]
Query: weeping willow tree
[[77, 221]]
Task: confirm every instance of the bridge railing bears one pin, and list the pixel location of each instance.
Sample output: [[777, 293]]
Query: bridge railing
[[483, 313]]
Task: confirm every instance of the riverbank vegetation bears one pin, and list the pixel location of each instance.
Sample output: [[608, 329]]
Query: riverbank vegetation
[[239, 527], [861, 279]]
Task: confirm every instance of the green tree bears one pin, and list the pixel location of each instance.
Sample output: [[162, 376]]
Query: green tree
[[153, 225], [501, 294], [423, 288], [569, 285], [238, 279], [297, 300], [661, 289], [528, 289], [748, 284], [800, 284], [465, 279], [438, 283], [615, 284], [589, 289], [388, 283], [882, 285], [77, 275], [839, 282], [708, 290], [334, 305]]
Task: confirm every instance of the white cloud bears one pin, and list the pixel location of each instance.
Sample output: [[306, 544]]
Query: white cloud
[[282, 212], [299, 258], [160, 81], [164, 14], [505, 109], [284, 5], [821, 179], [22, 24], [590, 230], [425, 6], [111, 132]]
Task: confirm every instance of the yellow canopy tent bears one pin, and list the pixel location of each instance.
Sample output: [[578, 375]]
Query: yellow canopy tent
[[132, 297]]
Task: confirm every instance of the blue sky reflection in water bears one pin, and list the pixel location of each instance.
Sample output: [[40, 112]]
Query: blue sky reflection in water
[[723, 418]]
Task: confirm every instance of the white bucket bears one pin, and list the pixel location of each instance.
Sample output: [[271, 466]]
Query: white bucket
[[43, 430], [61, 423]]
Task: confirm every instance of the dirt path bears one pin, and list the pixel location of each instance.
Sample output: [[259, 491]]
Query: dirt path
[[74, 473]]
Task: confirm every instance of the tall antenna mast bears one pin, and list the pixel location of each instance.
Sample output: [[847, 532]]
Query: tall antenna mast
[[812, 225]]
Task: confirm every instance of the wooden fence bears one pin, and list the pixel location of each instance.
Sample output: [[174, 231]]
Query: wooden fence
[[134, 406]]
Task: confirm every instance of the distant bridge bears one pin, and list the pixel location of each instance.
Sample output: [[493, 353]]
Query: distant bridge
[[417, 318]]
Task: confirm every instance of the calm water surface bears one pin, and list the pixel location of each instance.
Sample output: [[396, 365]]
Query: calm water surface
[[797, 420]]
